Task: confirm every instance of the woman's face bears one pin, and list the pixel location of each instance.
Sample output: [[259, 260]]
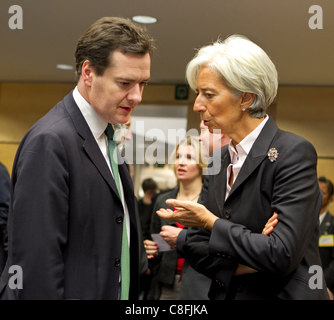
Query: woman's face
[[186, 166], [219, 108]]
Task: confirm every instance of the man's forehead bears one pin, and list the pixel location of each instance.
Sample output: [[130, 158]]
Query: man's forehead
[[129, 58]]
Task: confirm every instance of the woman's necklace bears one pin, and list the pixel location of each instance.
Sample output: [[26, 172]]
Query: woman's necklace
[[177, 197]]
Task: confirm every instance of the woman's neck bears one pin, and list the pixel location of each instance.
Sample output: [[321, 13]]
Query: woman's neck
[[190, 191], [245, 128]]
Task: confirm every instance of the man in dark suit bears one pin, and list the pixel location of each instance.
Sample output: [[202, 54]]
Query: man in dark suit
[[326, 240], [4, 205], [66, 212]]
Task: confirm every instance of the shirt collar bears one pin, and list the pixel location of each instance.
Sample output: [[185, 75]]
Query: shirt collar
[[322, 216], [247, 143], [96, 125]]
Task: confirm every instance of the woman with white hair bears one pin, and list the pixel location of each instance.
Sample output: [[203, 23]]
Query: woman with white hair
[[263, 170]]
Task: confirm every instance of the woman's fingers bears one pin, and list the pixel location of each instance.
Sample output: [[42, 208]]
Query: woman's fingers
[[151, 249], [270, 225]]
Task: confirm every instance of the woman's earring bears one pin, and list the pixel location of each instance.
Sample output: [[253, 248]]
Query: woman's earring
[[243, 109]]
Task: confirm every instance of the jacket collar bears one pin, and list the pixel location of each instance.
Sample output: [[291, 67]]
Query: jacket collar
[[257, 154], [96, 125], [92, 149]]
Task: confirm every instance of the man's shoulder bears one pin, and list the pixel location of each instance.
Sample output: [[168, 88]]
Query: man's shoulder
[[54, 125], [220, 153], [54, 120], [330, 217]]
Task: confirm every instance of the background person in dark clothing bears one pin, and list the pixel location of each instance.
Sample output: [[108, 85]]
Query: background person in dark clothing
[[4, 206], [326, 240], [145, 206]]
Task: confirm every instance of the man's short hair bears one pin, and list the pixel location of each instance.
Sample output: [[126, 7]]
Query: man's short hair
[[106, 36], [329, 184], [149, 184]]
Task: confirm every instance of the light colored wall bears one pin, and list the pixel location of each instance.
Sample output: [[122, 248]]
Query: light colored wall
[[21, 105], [307, 111]]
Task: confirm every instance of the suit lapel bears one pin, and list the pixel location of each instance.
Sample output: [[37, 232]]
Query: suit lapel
[[89, 144], [126, 180], [325, 224], [257, 154], [128, 192], [220, 181], [94, 153]]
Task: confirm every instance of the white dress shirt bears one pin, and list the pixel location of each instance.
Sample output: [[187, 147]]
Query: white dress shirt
[[322, 217], [239, 154], [97, 126]]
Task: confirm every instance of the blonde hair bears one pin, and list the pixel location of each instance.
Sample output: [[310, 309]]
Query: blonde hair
[[195, 143], [243, 67]]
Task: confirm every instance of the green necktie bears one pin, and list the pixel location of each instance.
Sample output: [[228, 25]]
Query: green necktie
[[125, 255]]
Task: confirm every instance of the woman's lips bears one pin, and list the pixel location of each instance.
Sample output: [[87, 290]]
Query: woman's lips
[[181, 171]]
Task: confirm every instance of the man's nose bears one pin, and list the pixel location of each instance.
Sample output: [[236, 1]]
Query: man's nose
[[136, 94]]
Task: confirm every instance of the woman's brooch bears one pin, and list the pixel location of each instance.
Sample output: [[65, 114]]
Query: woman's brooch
[[273, 154]]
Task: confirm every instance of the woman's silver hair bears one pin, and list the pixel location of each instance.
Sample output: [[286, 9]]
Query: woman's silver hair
[[243, 66]]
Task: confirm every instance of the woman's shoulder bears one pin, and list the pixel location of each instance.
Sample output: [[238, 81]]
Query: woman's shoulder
[[289, 139], [169, 194]]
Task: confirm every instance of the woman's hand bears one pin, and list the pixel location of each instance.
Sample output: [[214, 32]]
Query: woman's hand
[[267, 230], [189, 214], [270, 225], [170, 234], [151, 248], [192, 214]]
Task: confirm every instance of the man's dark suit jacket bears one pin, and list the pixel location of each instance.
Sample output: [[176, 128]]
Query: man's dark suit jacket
[[327, 254], [4, 207], [65, 221], [288, 186]]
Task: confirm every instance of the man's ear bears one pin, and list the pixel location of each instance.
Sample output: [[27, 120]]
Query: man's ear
[[87, 73], [247, 99]]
